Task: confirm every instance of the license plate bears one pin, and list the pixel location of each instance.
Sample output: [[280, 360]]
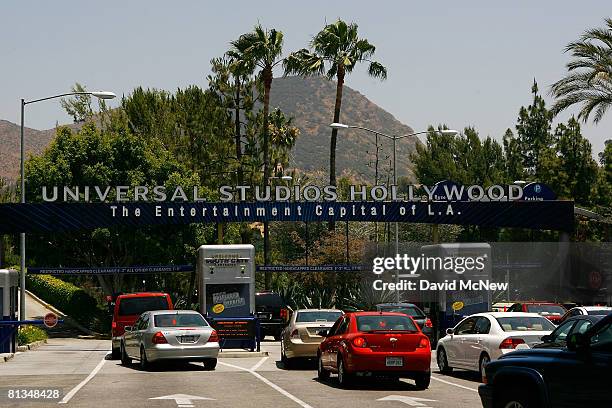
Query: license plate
[[265, 316], [394, 362], [187, 339]]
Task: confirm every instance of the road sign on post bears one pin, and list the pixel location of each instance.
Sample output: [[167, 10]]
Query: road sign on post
[[50, 320]]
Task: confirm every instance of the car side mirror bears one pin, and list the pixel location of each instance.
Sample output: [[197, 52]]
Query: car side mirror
[[577, 342], [547, 338], [323, 333], [450, 331], [128, 328]]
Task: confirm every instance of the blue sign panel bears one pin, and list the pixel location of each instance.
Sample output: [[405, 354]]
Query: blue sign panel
[[111, 270]]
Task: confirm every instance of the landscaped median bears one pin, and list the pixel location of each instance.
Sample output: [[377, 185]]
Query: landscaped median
[[75, 302]]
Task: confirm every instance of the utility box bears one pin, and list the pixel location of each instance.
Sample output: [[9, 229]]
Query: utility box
[[226, 280], [9, 287]]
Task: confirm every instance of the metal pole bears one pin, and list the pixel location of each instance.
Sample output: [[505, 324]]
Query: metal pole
[[397, 293], [22, 237]]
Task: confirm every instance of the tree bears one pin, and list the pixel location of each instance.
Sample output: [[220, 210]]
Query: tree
[[262, 48], [588, 81], [334, 52], [78, 106], [533, 132]]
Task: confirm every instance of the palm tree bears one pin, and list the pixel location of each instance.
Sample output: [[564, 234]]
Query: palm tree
[[262, 48], [589, 78], [334, 52]]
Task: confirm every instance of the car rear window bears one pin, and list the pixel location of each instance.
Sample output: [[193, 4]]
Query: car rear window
[[269, 299], [180, 320], [599, 312], [317, 317], [385, 323], [138, 305], [550, 309], [411, 311], [525, 323]]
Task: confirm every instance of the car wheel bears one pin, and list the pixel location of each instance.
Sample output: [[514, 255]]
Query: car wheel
[[144, 363], [210, 364], [344, 378], [125, 359], [515, 398], [322, 373], [443, 362], [422, 381], [484, 360]]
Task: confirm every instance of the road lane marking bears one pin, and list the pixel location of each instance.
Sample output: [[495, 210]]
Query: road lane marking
[[80, 385], [269, 383], [412, 401], [182, 400], [259, 363], [451, 383]]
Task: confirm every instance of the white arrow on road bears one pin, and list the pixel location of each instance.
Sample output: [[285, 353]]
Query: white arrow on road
[[412, 401], [182, 400]]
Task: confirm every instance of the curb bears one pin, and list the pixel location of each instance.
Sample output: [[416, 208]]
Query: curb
[[243, 354], [6, 357], [64, 316], [31, 346]]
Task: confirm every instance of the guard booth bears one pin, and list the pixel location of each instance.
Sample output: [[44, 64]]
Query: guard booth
[[226, 292], [9, 286]]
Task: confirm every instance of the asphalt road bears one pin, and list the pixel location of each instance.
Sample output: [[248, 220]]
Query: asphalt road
[[85, 376]]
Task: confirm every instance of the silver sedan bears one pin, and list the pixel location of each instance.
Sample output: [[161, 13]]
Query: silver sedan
[[170, 335]]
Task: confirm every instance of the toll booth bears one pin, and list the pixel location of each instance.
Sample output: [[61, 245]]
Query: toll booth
[[9, 286], [226, 292]]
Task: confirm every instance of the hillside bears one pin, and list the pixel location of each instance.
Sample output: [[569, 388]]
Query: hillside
[[310, 102]]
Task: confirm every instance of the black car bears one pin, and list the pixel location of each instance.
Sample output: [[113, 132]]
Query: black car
[[577, 375], [577, 324], [272, 312], [411, 310]]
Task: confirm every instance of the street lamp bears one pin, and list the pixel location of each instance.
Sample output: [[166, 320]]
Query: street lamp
[[97, 94], [395, 138]]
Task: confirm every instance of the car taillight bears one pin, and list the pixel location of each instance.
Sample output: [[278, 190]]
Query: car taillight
[[428, 323], [423, 343], [511, 343], [284, 313], [359, 342], [214, 337], [295, 334], [158, 338], [114, 325]]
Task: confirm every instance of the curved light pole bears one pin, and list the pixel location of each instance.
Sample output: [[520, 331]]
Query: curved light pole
[[395, 138], [97, 94]]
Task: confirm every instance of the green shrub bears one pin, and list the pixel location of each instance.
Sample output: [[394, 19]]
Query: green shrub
[[65, 296], [30, 334]]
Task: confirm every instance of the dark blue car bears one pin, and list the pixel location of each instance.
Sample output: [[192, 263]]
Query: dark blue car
[[577, 375]]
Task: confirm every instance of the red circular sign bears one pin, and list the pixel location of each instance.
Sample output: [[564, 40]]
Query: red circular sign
[[595, 279], [50, 320]]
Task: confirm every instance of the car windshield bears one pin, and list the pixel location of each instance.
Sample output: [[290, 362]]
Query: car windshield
[[315, 316], [599, 312], [525, 323], [602, 339], [139, 305], [269, 300], [411, 311], [544, 309], [180, 320], [385, 323]]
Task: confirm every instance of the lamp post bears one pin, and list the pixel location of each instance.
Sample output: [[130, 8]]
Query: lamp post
[[97, 94], [394, 138]]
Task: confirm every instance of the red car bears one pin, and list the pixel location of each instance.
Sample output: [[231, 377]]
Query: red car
[[375, 343], [126, 308], [552, 311]]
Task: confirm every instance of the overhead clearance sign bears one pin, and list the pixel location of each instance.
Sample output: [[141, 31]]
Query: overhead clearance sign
[[85, 207]]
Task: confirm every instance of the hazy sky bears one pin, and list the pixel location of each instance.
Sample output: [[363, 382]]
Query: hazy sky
[[455, 62]]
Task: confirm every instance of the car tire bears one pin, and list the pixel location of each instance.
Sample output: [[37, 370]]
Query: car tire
[[344, 378], [210, 364], [443, 362], [516, 398], [484, 360], [322, 373], [144, 363], [422, 381], [125, 359]]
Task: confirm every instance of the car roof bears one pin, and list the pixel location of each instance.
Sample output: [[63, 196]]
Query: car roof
[[174, 311], [587, 308], [357, 314], [536, 302], [141, 294], [318, 310], [506, 314], [400, 304], [592, 318]]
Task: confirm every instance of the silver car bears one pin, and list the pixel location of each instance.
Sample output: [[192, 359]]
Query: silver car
[[170, 335]]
